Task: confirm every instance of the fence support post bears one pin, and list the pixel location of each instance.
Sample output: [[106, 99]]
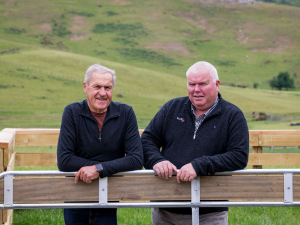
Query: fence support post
[[257, 149], [103, 190], [288, 188], [195, 192]]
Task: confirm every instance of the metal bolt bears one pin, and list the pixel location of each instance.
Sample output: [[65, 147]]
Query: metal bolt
[[289, 188], [8, 189], [103, 189]]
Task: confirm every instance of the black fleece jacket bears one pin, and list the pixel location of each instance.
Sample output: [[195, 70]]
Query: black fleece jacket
[[79, 144], [221, 142]]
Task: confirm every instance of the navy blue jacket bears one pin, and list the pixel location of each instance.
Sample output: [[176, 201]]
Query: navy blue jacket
[[221, 142], [79, 144]]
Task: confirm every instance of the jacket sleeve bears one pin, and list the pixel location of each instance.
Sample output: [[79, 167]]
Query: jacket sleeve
[[66, 159], [132, 148], [152, 139], [236, 153]]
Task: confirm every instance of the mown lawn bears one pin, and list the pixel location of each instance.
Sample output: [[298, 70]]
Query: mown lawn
[[142, 216]]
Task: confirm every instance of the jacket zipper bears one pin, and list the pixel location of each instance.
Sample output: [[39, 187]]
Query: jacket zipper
[[194, 134], [100, 137]]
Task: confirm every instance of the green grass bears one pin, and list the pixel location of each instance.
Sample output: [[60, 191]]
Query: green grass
[[51, 80], [150, 44], [142, 216]]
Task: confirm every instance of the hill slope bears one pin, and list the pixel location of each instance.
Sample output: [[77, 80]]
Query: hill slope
[[36, 85], [46, 46]]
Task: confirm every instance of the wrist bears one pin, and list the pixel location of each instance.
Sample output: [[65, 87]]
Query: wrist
[[99, 169]]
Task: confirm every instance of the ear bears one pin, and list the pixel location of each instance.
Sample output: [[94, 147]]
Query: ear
[[85, 87], [218, 85]]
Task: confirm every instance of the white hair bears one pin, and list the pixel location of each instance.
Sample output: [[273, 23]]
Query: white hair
[[199, 66], [101, 69]]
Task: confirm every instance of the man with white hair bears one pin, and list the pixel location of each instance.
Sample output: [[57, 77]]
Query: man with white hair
[[199, 134], [94, 138]]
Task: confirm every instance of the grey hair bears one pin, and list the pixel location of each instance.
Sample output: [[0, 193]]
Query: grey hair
[[101, 69], [198, 66]]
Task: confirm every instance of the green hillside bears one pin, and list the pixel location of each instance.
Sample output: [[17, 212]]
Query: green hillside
[[46, 46]]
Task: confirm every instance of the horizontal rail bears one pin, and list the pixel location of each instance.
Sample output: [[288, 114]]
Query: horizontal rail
[[149, 172], [194, 187], [49, 137], [50, 159], [151, 205]]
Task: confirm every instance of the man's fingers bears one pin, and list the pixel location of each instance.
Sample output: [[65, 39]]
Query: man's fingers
[[170, 170], [165, 171], [191, 178], [77, 176], [184, 176], [157, 170], [178, 176], [174, 168], [82, 177]]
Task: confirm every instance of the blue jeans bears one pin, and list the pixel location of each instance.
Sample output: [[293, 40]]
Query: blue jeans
[[90, 216]]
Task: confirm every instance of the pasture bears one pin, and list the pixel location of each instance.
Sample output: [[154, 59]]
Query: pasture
[[46, 46]]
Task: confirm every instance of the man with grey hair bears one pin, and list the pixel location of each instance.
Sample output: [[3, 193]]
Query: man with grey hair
[[199, 134], [94, 138]]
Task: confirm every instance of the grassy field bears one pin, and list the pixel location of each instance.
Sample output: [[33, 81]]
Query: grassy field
[[46, 46], [35, 89]]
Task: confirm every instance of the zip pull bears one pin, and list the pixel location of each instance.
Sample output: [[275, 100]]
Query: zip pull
[[100, 137], [194, 134]]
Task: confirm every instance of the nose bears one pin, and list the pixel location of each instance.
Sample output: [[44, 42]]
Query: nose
[[197, 87], [102, 91]]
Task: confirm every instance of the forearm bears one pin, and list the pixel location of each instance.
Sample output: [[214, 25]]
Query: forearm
[[127, 163], [70, 163], [229, 161]]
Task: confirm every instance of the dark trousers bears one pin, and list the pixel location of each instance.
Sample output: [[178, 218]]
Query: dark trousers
[[90, 216]]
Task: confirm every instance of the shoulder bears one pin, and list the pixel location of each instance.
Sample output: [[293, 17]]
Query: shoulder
[[120, 106], [230, 110], [76, 106], [229, 105], [176, 102]]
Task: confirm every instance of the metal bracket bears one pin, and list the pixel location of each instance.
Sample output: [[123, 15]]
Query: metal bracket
[[8, 190], [103, 191], [288, 188], [195, 198]]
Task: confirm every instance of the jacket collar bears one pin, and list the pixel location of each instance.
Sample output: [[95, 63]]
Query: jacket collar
[[113, 110], [216, 111]]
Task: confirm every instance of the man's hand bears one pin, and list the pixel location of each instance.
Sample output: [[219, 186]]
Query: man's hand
[[164, 169], [87, 174], [186, 173]]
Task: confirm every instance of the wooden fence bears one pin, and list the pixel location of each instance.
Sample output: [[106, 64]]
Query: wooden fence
[[212, 187]]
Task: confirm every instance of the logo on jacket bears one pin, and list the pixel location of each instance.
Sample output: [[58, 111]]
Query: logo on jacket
[[181, 119]]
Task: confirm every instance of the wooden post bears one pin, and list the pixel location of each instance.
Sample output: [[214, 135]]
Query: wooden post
[[257, 149], [7, 144], [2, 170]]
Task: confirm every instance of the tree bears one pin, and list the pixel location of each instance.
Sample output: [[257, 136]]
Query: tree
[[282, 80]]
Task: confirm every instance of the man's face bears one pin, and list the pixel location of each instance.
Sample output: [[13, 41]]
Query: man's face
[[99, 91], [202, 90]]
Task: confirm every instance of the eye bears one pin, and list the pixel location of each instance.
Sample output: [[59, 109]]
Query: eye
[[97, 87], [108, 88]]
